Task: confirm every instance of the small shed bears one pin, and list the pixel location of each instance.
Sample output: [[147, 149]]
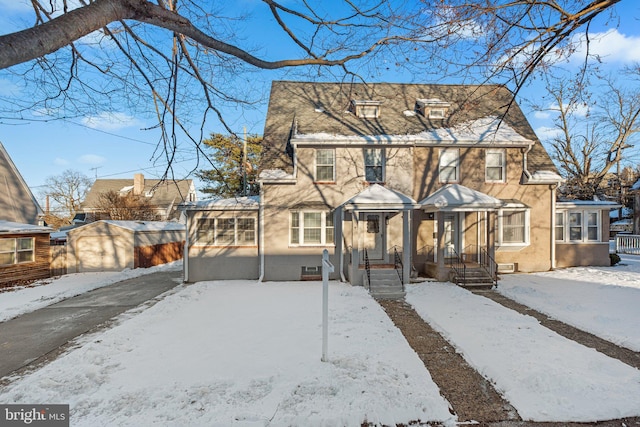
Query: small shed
[[24, 253], [110, 245]]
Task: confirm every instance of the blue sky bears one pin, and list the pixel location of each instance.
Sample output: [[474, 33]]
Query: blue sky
[[114, 145]]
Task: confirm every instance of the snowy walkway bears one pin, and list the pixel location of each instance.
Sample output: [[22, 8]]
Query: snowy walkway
[[546, 377]]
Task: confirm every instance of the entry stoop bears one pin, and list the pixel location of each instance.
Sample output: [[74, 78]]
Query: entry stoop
[[473, 278], [385, 284]]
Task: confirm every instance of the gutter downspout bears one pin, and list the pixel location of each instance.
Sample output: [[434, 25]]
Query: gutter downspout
[[261, 233], [524, 162], [553, 226], [185, 250]]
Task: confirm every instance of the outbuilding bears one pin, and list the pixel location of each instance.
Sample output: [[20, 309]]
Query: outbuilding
[[24, 253], [110, 245]]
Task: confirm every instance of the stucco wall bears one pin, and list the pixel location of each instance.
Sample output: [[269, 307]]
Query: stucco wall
[[582, 254], [210, 262], [283, 261]]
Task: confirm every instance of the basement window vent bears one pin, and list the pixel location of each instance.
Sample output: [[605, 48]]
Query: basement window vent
[[365, 109], [311, 272], [507, 268], [432, 108]]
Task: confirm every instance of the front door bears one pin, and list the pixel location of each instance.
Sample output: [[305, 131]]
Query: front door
[[451, 235], [374, 231]]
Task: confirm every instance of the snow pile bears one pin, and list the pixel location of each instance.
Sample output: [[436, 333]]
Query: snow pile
[[242, 353], [545, 376], [25, 299]]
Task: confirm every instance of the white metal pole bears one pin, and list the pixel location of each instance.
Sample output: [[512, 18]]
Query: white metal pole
[[327, 268]]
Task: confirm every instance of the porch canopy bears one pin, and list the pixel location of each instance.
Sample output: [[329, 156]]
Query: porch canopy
[[458, 198], [376, 198]]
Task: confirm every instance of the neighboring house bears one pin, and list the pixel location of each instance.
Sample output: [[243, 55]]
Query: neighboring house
[[24, 253], [116, 245], [165, 195], [17, 203], [423, 179]]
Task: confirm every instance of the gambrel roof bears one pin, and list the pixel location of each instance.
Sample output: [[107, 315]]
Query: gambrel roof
[[17, 203], [322, 113]]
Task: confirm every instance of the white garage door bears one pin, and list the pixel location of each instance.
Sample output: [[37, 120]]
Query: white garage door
[[103, 253]]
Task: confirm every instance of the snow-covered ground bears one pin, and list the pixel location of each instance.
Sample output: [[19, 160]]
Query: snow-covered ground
[[24, 299], [243, 353]]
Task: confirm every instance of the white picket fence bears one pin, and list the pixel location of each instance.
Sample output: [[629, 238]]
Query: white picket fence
[[628, 244]]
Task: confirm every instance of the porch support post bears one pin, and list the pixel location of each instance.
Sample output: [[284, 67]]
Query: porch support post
[[440, 248], [355, 252], [491, 233], [406, 246]]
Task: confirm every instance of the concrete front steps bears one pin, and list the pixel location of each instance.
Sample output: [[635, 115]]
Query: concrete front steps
[[474, 278], [385, 284]]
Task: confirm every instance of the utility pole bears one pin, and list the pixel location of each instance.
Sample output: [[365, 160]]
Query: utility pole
[[95, 169], [244, 162]]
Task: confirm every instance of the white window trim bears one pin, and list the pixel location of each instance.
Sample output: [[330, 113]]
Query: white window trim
[[16, 250], [315, 164], [527, 228], [457, 165], [323, 228], [235, 243], [437, 113], [584, 236], [383, 165], [503, 165]]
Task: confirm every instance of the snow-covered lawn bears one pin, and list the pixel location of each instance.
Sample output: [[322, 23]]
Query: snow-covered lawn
[[602, 300], [243, 353]]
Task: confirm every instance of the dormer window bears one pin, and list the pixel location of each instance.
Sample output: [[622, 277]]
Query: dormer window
[[432, 108], [366, 109]]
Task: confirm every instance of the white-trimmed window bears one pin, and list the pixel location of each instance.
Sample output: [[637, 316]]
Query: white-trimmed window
[[309, 227], [374, 164], [226, 231], [449, 166], [577, 225], [16, 250], [513, 226], [436, 113], [325, 165], [495, 165]]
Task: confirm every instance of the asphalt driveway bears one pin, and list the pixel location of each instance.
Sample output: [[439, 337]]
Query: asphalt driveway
[[32, 336]]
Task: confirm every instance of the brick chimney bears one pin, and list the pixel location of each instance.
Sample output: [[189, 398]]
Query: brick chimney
[[138, 184]]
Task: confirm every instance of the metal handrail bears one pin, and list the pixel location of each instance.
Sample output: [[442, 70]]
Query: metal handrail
[[457, 265], [397, 261], [367, 268], [489, 265]]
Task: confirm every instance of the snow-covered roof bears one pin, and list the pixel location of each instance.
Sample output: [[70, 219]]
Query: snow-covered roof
[[9, 227], [486, 130], [456, 197], [234, 203], [377, 197], [275, 175], [587, 204], [544, 177], [146, 225]]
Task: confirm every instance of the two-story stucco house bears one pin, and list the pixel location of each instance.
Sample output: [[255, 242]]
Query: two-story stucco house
[[417, 179]]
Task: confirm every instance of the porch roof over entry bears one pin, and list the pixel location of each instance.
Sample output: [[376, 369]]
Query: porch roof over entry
[[456, 197], [378, 198]]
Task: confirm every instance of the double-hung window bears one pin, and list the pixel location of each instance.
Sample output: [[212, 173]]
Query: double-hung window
[[226, 231], [16, 250], [374, 164], [449, 166], [311, 228], [514, 227], [325, 165], [495, 165], [577, 225]]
